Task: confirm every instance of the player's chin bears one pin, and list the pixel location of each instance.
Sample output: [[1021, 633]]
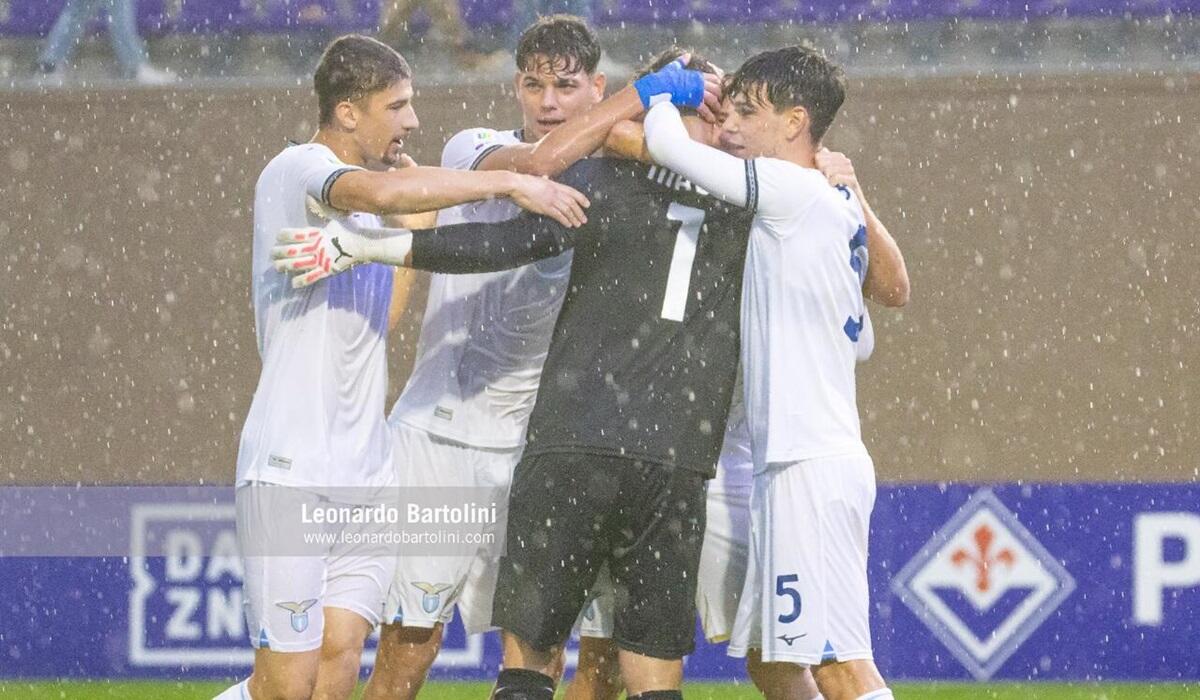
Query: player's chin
[[733, 149], [391, 156]]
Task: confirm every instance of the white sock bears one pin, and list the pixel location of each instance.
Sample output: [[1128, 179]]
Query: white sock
[[881, 694], [238, 691]]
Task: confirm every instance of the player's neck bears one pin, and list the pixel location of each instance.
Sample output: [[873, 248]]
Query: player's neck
[[799, 152], [341, 144]]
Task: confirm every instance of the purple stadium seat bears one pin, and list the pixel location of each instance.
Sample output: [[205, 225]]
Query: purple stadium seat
[[644, 11], [34, 17], [30, 17]]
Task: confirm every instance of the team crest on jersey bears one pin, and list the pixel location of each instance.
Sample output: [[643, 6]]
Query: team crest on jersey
[[432, 600], [299, 613], [983, 584]]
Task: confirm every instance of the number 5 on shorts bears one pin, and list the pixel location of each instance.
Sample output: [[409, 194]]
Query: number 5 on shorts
[[782, 588]]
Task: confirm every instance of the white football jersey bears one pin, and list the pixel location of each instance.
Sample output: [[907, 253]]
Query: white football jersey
[[484, 336], [804, 323], [317, 419]]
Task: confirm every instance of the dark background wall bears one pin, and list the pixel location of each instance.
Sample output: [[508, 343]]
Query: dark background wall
[[1049, 225]]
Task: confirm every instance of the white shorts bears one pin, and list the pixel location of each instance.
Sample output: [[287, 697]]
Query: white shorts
[[723, 556], [805, 598], [426, 589], [285, 596]]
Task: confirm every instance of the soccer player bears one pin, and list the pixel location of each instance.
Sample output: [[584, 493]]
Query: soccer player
[[805, 601], [315, 432], [628, 418], [725, 551], [461, 419]]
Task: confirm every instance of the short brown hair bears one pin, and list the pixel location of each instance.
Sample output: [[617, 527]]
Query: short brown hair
[[352, 67], [791, 77], [559, 39]]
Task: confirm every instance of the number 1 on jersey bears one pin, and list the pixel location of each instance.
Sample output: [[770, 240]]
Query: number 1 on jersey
[[679, 278]]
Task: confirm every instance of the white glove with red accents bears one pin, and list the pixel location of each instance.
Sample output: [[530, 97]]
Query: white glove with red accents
[[312, 254]]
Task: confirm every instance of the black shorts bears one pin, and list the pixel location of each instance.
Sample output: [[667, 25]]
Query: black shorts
[[569, 514]]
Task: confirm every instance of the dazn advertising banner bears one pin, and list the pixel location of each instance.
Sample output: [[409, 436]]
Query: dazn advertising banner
[[1035, 581]]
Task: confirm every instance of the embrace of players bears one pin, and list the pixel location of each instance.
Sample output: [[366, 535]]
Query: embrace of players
[[649, 358]]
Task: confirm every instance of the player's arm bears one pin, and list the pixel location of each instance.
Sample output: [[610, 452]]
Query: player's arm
[[312, 254], [887, 275], [583, 135], [627, 140], [403, 281], [576, 138], [723, 175], [769, 186], [419, 189]]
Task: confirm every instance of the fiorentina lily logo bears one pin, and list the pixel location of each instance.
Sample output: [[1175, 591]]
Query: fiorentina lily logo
[[983, 584]]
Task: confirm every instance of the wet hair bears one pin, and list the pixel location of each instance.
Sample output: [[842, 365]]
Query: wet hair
[[796, 76], [696, 62], [352, 67], [559, 43]]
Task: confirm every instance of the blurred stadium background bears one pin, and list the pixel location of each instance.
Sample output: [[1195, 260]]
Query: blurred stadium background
[[1036, 160]]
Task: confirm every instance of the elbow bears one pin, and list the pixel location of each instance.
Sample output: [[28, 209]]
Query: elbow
[[892, 294], [545, 167], [545, 163], [898, 295]]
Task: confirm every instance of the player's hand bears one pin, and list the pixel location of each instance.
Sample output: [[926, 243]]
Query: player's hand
[[839, 170], [683, 88], [312, 254], [713, 92], [546, 197]]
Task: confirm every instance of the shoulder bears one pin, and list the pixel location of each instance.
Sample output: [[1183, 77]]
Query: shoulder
[[309, 154], [778, 187], [784, 173], [466, 147]]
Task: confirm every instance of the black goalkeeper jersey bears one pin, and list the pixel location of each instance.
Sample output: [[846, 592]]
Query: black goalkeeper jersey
[[644, 355]]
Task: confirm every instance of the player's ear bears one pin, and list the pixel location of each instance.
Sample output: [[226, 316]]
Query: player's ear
[[797, 123], [345, 115], [599, 83]]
